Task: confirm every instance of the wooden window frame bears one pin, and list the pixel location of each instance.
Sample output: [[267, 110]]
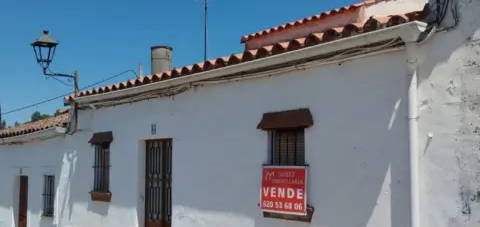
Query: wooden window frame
[[48, 195]]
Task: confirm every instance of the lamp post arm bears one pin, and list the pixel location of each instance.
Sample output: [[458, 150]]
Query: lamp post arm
[[59, 75], [74, 76]]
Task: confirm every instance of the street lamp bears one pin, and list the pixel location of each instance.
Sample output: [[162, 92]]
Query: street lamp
[[44, 48]]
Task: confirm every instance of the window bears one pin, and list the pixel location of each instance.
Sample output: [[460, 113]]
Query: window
[[102, 168], [287, 147], [286, 130], [48, 195], [287, 139]]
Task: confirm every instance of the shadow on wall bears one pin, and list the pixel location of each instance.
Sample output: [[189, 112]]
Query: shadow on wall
[[443, 45]]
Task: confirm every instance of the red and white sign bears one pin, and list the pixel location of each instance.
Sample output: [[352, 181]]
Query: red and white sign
[[284, 190]]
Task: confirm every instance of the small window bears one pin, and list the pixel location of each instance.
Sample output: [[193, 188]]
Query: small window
[[287, 147], [48, 195], [102, 168]]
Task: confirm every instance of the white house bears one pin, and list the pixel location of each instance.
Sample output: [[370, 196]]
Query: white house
[[378, 101]]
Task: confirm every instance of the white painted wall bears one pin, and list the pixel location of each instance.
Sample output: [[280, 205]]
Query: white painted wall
[[449, 97], [33, 160], [357, 148]]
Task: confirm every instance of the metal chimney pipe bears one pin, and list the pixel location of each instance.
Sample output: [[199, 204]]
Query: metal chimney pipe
[[161, 59]]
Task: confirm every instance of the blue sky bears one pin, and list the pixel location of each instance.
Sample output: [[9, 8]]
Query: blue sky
[[102, 38]]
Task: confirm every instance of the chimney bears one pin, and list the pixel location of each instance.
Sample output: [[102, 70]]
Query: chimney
[[161, 59]]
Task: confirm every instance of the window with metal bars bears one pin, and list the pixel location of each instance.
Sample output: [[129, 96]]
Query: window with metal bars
[[287, 147], [101, 168], [48, 195]]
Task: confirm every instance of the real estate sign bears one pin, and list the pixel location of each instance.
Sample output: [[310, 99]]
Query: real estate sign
[[284, 190]]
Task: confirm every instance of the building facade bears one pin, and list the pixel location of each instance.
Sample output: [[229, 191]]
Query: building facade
[[382, 111]]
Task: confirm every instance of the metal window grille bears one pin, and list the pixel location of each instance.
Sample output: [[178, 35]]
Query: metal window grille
[[102, 168], [288, 147], [48, 195]]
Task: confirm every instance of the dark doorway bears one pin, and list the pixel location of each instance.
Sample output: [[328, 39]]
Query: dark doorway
[[23, 202], [158, 180]]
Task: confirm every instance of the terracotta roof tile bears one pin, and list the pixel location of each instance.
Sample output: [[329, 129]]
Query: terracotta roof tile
[[331, 34], [176, 72], [296, 44], [314, 39], [264, 51], [351, 29], [187, 70], [249, 55], [373, 24], [279, 48], [235, 59], [396, 20], [221, 62], [30, 127], [197, 67], [208, 65], [319, 16]]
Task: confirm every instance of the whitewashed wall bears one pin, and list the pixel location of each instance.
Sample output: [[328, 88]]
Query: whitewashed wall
[[450, 111], [357, 148], [33, 160]]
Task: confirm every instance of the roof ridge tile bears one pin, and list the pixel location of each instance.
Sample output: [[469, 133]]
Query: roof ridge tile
[[305, 20]]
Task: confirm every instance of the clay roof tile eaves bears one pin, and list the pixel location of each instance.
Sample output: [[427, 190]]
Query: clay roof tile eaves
[[36, 126], [221, 62], [249, 55], [314, 39], [281, 47], [176, 72], [235, 59], [296, 44], [186, 70], [396, 20], [264, 51], [198, 67]]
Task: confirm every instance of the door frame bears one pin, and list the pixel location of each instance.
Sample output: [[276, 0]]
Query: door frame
[[141, 169], [164, 189], [22, 201]]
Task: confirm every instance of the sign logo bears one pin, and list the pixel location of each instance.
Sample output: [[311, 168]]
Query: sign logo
[[269, 175], [284, 190]]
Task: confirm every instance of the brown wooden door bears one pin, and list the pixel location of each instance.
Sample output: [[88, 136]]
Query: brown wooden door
[[23, 202], [158, 181]]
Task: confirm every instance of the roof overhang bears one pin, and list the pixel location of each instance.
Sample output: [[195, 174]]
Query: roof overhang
[[408, 32], [38, 135]]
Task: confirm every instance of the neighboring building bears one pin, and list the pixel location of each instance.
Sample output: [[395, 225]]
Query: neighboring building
[[378, 99]]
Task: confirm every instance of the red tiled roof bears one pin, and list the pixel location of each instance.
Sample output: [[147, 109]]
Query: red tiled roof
[[249, 55], [320, 16], [30, 127]]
